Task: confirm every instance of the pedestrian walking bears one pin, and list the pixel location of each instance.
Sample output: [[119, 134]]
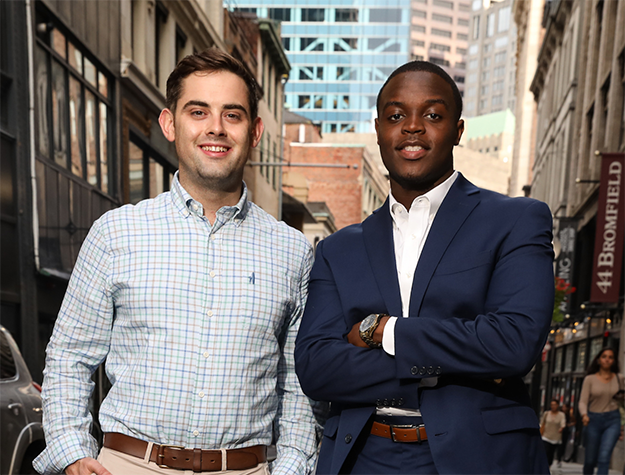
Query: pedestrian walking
[[552, 425], [598, 406]]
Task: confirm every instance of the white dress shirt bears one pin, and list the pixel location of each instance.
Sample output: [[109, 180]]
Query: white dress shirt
[[410, 231]]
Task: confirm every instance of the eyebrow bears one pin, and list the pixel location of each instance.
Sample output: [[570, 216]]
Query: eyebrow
[[428, 101], [195, 103]]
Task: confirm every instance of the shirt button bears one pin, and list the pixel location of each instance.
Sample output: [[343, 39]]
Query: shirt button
[[196, 433], [209, 313], [212, 274], [206, 354], [213, 237], [201, 394], [413, 236]]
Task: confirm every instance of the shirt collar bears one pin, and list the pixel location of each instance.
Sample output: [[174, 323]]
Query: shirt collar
[[435, 196], [187, 206]]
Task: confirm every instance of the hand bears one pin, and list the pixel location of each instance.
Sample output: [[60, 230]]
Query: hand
[[585, 419], [86, 466], [353, 336]]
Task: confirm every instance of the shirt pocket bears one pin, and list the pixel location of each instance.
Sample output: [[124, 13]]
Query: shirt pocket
[[265, 299]]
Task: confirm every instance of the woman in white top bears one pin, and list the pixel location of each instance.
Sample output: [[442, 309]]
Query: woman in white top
[[552, 424], [599, 410]]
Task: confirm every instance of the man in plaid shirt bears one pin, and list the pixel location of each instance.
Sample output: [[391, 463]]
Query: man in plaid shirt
[[194, 299]]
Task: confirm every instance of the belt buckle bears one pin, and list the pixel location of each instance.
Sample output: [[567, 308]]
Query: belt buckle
[[161, 453], [406, 426]]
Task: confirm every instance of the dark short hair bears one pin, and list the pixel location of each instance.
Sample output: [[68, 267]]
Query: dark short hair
[[210, 60], [594, 366], [426, 67]]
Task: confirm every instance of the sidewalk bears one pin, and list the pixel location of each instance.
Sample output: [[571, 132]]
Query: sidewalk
[[570, 468]]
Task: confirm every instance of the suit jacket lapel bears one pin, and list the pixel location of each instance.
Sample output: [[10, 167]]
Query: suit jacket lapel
[[378, 237], [455, 208]]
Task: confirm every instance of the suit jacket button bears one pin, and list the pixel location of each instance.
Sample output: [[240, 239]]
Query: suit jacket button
[[378, 403], [393, 403], [438, 370], [414, 370], [422, 370], [348, 438], [386, 403], [400, 402], [430, 370]]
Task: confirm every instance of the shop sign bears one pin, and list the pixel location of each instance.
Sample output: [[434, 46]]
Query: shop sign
[[608, 256]]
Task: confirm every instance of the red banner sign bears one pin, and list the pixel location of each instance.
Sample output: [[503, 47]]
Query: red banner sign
[[608, 259]]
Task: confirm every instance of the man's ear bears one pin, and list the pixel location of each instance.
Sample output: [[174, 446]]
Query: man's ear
[[257, 131], [460, 131], [377, 134], [166, 121]]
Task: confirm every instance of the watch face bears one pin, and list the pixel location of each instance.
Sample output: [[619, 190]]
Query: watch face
[[368, 322]]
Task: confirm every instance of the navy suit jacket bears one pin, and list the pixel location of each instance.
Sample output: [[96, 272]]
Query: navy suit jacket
[[480, 311]]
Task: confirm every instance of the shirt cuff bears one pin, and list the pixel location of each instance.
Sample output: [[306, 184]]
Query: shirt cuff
[[388, 336], [65, 450]]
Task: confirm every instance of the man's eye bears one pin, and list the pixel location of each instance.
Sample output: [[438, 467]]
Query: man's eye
[[232, 116], [434, 116], [395, 117], [197, 113]]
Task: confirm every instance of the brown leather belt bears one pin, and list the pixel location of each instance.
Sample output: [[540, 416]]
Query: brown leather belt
[[400, 433], [198, 460]]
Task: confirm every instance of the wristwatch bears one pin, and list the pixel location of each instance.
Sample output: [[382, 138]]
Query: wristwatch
[[368, 326]]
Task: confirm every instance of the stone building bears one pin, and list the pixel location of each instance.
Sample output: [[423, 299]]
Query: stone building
[[579, 88]]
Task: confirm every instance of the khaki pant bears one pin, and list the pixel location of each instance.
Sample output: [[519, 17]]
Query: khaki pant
[[122, 464]]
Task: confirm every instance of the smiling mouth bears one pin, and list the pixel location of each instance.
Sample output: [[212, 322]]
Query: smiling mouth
[[214, 148], [412, 148]]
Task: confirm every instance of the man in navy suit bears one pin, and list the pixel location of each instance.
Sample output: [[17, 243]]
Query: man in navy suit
[[422, 320]]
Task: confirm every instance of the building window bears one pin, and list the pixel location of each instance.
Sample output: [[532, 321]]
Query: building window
[[504, 20], [500, 57], [286, 43], [484, 90], [486, 62], [473, 49], [439, 47], [311, 44], [303, 102], [461, 65], [444, 4], [476, 28], [490, 25], [465, 7], [462, 51], [417, 57], [418, 43], [418, 28], [487, 48], [497, 100], [498, 86], [442, 18], [346, 15], [385, 15], [462, 37], [280, 14], [444, 33], [463, 22], [418, 14], [499, 71], [181, 43], [470, 91], [485, 75], [439, 61], [313, 14], [346, 44], [318, 102], [501, 42], [148, 173], [473, 64], [74, 103]]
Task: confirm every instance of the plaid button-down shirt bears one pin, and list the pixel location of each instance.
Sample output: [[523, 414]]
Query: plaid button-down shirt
[[197, 324]]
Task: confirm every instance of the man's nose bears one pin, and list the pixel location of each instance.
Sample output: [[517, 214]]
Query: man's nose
[[215, 126], [413, 125]]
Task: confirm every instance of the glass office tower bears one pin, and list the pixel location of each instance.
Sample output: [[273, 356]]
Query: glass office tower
[[340, 55]]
